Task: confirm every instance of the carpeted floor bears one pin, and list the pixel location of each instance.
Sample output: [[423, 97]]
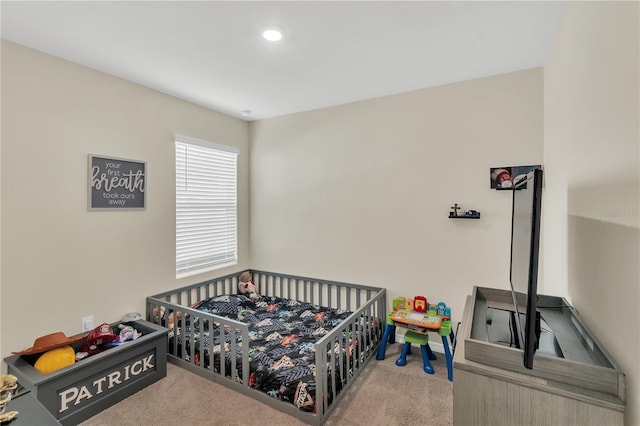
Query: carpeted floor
[[383, 394]]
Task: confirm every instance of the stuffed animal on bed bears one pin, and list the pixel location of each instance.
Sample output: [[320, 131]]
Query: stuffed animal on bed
[[247, 287], [164, 320]]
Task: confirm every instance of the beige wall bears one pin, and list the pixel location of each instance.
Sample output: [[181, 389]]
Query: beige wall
[[359, 192], [61, 262], [362, 192], [592, 154]]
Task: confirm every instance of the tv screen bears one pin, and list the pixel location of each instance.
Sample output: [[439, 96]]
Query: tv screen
[[525, 239]]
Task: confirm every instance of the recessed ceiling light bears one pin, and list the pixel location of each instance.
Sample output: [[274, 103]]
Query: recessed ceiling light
[[246, 113], [272, 35]]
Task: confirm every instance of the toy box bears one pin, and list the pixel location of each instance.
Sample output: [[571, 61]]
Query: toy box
[[79, 391]]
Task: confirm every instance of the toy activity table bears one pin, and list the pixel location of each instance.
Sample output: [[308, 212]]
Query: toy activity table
[[418, 325], [417, 321]]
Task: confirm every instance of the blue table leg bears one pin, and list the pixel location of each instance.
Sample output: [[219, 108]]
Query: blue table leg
[[402, 361], [426, 365], [389, 334], [447, 354], [430, 353]]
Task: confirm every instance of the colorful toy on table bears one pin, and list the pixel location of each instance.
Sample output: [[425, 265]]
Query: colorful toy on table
[[408, 304], [441, 307], [432, 309], [420, 304], [398, 303], [442, 310]]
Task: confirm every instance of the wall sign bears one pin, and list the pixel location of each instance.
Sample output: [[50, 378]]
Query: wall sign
[[116, 183]]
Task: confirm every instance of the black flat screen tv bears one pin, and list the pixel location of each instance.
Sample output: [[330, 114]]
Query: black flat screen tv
[[523, 275]]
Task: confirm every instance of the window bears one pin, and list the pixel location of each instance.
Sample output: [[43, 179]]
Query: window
[[206, 206]]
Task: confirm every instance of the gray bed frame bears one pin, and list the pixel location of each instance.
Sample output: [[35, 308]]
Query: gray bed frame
[[367, 304]]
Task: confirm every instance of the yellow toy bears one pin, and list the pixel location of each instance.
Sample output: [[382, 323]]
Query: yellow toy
[[398, 303], [408, 305], [55, 359]]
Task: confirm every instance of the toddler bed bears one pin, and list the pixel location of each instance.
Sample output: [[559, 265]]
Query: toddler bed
[[298, 347]]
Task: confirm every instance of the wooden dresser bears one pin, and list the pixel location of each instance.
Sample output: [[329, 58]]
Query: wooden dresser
[[492, 387]]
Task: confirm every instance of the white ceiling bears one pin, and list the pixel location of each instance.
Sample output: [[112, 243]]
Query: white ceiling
[[212, 53]]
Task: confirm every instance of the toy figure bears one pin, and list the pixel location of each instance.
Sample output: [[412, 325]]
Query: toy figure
[[96, 341], [247, 287], [441, 308], [420, 304], [127, 333], [162, 319]]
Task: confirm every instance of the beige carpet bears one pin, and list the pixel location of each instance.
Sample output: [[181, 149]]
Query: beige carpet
[[383, 394]]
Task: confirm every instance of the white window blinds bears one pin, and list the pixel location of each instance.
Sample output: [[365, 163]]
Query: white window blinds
[[206, 206]]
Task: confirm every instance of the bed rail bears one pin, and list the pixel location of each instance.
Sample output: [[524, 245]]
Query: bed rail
[[340, 355], [344, 352], [333, 294], [216, 325]]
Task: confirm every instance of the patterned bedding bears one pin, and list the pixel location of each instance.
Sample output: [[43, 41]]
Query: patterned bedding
[[282, 333]]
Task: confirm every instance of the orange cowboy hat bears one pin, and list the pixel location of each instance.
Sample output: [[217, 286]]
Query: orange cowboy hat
[[50, 341]]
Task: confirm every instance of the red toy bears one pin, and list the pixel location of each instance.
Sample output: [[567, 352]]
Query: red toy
[[420, 304]]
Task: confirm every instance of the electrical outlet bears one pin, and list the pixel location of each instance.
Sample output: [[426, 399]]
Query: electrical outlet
[[87, 323]]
